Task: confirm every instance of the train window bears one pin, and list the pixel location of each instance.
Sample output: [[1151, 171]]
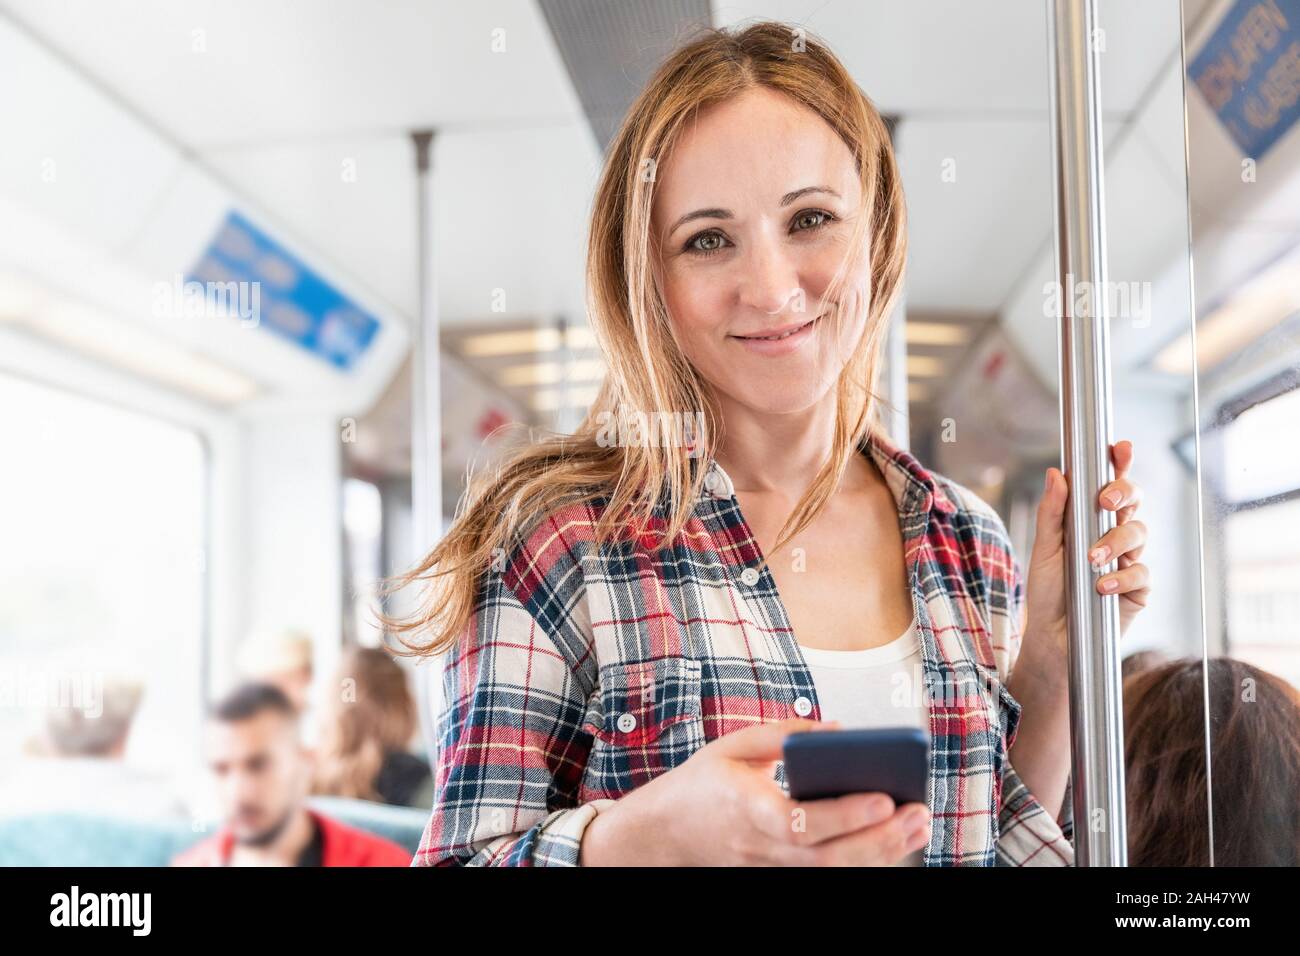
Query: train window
[[1262, 551], [1254, 464], [103, 567], [363, 520], [1261, 529]]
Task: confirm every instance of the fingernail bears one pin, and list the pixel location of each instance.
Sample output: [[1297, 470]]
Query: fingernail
[[1109, 584], [1100, 555], [1111, 498], [1047, 480]]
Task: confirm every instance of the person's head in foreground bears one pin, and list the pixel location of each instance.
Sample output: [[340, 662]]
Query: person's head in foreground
[[1139, 661], [261, 773], [1255, 765]]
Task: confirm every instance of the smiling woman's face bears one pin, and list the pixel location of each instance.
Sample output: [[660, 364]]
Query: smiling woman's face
[[753, 212]]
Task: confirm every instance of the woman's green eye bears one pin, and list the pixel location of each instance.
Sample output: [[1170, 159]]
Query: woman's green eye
[[810, 219], [707, 242]]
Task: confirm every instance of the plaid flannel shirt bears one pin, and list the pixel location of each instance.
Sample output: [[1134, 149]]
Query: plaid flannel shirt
[[587, 672]]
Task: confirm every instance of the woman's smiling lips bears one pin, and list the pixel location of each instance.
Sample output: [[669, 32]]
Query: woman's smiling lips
[[781, 340]]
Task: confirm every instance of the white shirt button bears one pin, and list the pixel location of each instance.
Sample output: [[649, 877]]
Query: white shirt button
[[626, 723], [802, 706], [749, 577], [713, 483]]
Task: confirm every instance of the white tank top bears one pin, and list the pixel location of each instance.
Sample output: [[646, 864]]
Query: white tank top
[[878, 687]]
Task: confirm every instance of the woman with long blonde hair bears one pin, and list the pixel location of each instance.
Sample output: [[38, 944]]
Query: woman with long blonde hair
[[632, 618]]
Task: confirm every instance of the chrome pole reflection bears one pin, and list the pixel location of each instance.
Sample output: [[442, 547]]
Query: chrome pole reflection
[[1096, 714]]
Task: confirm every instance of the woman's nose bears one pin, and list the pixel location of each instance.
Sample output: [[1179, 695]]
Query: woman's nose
[[769, 281]]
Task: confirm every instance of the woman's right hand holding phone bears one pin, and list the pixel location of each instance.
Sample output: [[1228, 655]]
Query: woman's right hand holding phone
[[722, 807]]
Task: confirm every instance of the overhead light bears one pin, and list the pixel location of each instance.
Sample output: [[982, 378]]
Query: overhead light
[[1263, 303], [548, 400], [19, 297], [132, 349], [934, 333], [523, 341], [924, 366], [552, 373]]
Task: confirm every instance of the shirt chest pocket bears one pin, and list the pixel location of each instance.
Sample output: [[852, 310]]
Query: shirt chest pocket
[[645, 718], [1009, 710]]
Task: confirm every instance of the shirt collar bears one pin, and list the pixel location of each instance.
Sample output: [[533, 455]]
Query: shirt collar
[[913, 487]]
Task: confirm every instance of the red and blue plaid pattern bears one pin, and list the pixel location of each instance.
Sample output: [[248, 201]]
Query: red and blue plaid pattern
[[587, 672]]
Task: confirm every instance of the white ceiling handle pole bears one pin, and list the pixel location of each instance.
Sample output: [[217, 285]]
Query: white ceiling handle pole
[[426, 417], [426, 410]]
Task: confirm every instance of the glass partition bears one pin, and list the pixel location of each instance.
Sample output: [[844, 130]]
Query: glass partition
[[1242, 64], [1151, 320]]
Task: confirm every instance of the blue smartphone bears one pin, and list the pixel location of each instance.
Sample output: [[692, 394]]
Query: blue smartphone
[[833, 763]]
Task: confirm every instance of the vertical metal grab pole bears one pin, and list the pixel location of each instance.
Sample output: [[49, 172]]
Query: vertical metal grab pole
[[900, 418], [426, 413], [426, 420], [1096, 714]]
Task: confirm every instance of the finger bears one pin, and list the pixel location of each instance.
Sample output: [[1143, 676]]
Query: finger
[[1119, 540], [1140, 597], [765, 741], [1120, 493], [775, 816], [1131, 557], [1049, 535], [881, 845], [1121, 453], [816, 821], [1125, 580]]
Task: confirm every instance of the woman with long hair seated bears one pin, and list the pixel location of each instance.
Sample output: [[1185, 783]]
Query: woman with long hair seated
[[366, 729]]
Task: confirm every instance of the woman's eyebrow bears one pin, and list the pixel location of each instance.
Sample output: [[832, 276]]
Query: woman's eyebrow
[[714, 213], [799, 193]]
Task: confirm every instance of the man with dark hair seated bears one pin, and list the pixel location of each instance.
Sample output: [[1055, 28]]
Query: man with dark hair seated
[[262, 774]]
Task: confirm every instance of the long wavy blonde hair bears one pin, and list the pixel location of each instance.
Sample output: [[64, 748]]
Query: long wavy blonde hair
[[647, 369]]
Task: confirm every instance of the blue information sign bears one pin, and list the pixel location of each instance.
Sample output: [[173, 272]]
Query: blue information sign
[[291, 300], [1249, 72]]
